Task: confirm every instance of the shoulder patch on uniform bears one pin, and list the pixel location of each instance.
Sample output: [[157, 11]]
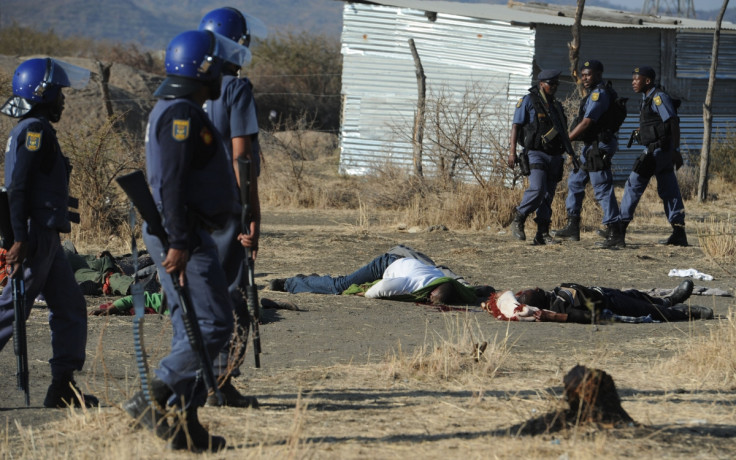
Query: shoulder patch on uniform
[[180, 130], [33, 140], [657, 100], [206, 136], [594, 96], [518, 104]]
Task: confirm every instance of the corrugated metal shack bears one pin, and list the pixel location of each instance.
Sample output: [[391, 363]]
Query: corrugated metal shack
[[502, 47]]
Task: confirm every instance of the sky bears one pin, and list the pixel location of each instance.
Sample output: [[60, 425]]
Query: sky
[[699, 4]]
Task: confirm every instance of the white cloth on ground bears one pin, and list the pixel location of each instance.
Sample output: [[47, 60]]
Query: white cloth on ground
[[404, 276], [690, 272]]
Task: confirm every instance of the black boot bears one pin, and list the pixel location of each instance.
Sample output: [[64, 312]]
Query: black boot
[[517, 227], [571, 231], [681, 293], [189, 434], [616, 237], [231, 397], [64, 392], [151, 417], [694, 311], [602, 232], [543, 236], [678, 237]]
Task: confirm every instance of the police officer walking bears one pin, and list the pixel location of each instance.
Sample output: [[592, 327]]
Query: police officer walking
[[533, 128], [234, 116], [659, 133], [37, 179], [191, 182], [592, 126]]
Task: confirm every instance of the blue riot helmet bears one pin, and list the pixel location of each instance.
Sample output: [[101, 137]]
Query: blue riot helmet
[[196, 57], [233, 24], [39, 81]]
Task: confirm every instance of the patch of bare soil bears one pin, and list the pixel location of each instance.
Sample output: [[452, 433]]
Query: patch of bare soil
[[351, 377]]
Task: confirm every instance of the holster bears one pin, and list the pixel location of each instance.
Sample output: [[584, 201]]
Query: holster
[[523, 161], [595, 160], [645, 165]]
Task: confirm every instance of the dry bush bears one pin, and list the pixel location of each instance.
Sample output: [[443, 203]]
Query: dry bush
[[467, 135], [708, 360], [298, 73], [98, 154], [723, 156], [717, 239], [461, 353], [299, 168]]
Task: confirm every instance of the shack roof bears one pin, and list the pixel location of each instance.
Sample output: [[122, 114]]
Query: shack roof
[[533, 13]]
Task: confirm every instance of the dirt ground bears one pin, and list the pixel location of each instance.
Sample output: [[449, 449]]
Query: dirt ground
[[334, 381]]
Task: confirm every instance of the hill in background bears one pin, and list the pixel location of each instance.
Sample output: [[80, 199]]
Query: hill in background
[[152, 23]]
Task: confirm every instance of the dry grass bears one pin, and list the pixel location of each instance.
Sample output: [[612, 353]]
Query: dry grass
[[708, 361], [438, 401], [465, 355]]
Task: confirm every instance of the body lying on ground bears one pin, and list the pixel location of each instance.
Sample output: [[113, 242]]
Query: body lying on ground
[[400, 274], [575, 303]]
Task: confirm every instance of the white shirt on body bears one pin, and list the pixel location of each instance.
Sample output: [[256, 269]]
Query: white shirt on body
[[404, 276]]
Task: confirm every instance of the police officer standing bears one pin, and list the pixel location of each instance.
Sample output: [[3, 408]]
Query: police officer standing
[[192, 186], [600, 144], [37, 179], [533, 128], [659, 133], [234, 116]]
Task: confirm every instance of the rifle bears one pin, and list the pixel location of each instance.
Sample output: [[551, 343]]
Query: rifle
[[248, 264], [20, 345], [135, 186], [562, 132]]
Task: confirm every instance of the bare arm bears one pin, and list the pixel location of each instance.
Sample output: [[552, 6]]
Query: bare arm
[[512, 144], [580, 129], [243, 147]]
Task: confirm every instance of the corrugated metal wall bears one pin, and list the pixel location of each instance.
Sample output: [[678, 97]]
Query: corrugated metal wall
[[694, 55], [380, 89], [379, 80]]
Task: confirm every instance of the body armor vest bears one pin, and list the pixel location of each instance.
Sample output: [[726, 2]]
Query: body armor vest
[[651, 127], [542, 124]]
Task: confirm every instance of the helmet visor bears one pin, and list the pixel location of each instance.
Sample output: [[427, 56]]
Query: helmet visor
[[256, 27], [230, 51], [72, 76]]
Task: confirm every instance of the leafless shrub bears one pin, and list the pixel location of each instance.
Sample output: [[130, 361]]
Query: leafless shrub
[[98, 154], [467, 133]]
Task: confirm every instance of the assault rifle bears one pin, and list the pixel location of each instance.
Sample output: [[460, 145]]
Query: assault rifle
[[246, 218], [20, 345], [135, 186]]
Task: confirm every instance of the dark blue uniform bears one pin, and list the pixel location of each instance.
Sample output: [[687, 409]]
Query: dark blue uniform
[[595, 105], [191, 183], [664, 170], [37, 178], [234, 115], [545, 169]]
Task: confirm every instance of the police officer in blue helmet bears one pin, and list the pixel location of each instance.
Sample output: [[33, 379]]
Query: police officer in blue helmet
[[192, 185], [659, 134], [37, 180], [234, 115]]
